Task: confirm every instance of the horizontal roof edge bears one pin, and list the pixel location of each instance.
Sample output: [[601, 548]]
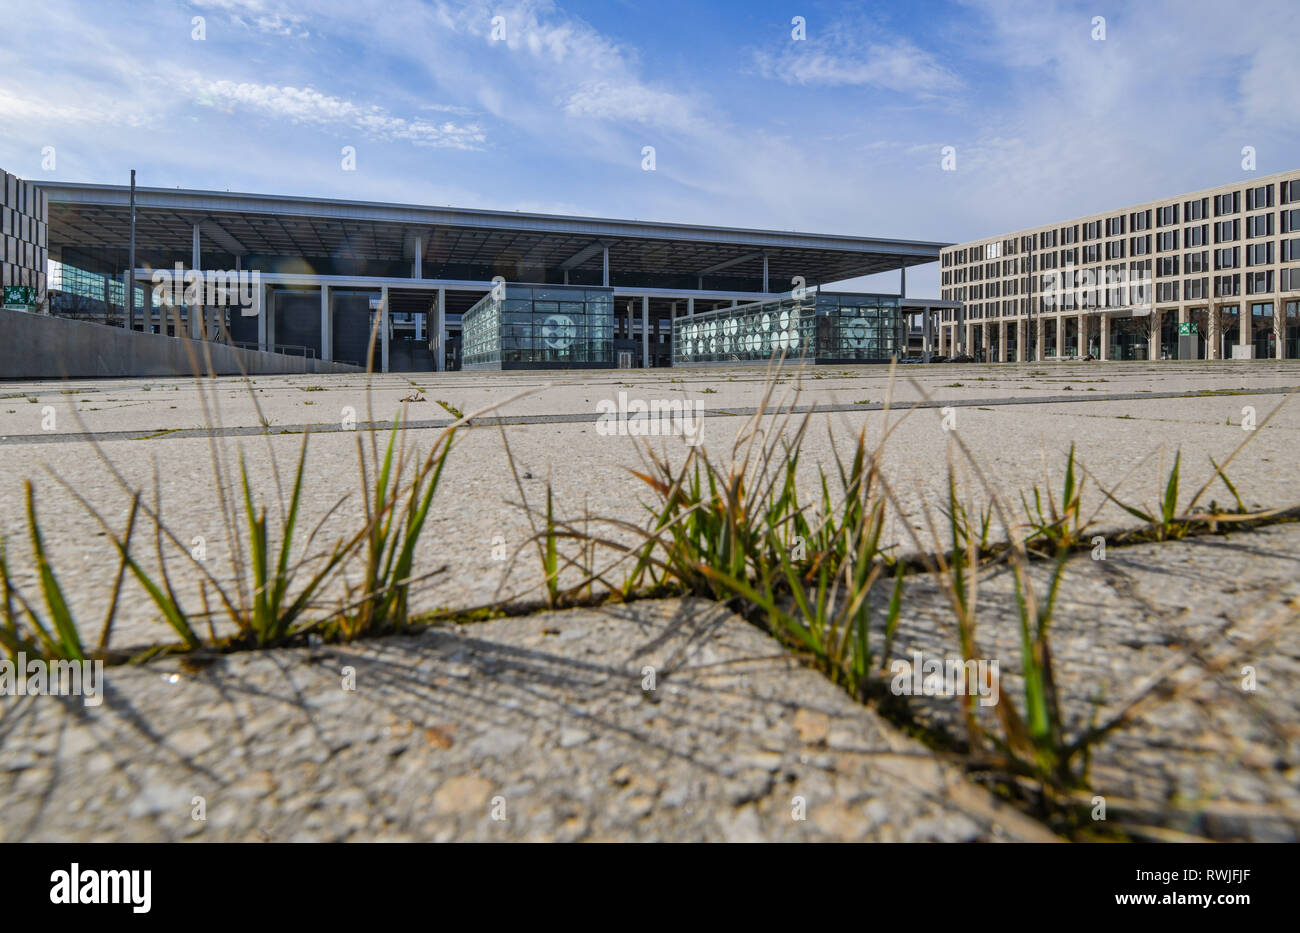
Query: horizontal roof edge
[[377, 211]]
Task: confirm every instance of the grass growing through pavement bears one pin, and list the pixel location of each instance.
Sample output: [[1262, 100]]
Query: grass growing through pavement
[[55, 637], [1050, 524], [395, 517], [808, 571], [275, 590], [451, 409], [742, 532], [816, 575], [274, 614], [816, 571]]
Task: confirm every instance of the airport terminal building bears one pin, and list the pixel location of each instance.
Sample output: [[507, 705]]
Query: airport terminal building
[[1214, 274], [406, 287]]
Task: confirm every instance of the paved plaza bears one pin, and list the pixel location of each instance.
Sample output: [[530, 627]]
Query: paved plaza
[[544, 717], [1127, 421]]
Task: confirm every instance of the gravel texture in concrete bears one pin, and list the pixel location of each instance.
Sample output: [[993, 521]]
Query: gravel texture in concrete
[[1129, 441], [676, 720], [668, 720], [1197, 640]]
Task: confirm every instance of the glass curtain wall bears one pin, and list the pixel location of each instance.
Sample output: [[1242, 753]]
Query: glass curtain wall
[[864, 328], [1169, 334], [1229, 330], [540, 327], [76, 293], [1291, 330], [822, 327], [748, 333], [1129, 338], [1261, 324], [1070, 341], [1200, 319]]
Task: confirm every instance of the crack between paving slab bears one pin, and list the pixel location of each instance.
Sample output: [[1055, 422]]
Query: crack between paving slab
[[593, 417]]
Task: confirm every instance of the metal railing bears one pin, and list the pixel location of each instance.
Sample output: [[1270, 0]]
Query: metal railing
[[288, 349]]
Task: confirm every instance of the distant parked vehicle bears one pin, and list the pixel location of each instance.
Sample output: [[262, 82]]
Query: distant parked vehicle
[[962, 358], [938, 359], [911, 359]]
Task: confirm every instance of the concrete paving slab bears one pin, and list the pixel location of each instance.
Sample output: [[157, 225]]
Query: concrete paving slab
[[152, 405], [1214, 620], [476, 514], [537, 728]]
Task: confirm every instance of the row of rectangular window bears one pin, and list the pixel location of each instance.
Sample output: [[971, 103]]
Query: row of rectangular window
[[1257, 254], [1257, 198], [1259, 309], [1260, 254], [1225, 231], [1255, 283]]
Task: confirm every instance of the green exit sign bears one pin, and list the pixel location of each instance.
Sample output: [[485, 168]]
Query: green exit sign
[[1187, 329], [19, 295]]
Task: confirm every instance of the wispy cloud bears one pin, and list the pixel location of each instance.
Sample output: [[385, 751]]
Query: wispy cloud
[[275, 19], [549, 59], [631, 102], [307, 106], [840, 132], [843, 59], [25, 108]]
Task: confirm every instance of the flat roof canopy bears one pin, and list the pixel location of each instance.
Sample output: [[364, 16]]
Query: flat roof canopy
[[363, 237]]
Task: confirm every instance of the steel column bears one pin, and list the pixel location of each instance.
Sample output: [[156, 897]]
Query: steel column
[[383, 329], [326, 325], [440, 332], [196, 312]]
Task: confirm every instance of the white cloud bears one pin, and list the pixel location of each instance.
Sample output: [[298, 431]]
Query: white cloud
[[26, 108], [256, 14], [630, 102], [311, 107], [899, 66], [1269, 84], [1047, 123], [1163, 105], [548, 60], [841, 55]]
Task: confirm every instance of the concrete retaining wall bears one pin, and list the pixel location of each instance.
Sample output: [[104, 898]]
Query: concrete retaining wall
[[36, 346]]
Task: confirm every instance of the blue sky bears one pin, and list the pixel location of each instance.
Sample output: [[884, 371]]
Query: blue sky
[[840, 132]]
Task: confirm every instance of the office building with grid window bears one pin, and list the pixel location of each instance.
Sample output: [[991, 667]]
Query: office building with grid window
[[1214, 274]]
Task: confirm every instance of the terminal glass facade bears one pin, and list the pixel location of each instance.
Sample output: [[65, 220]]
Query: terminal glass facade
[[540, 327], [75, 292], [821, 327], [860, 328]]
